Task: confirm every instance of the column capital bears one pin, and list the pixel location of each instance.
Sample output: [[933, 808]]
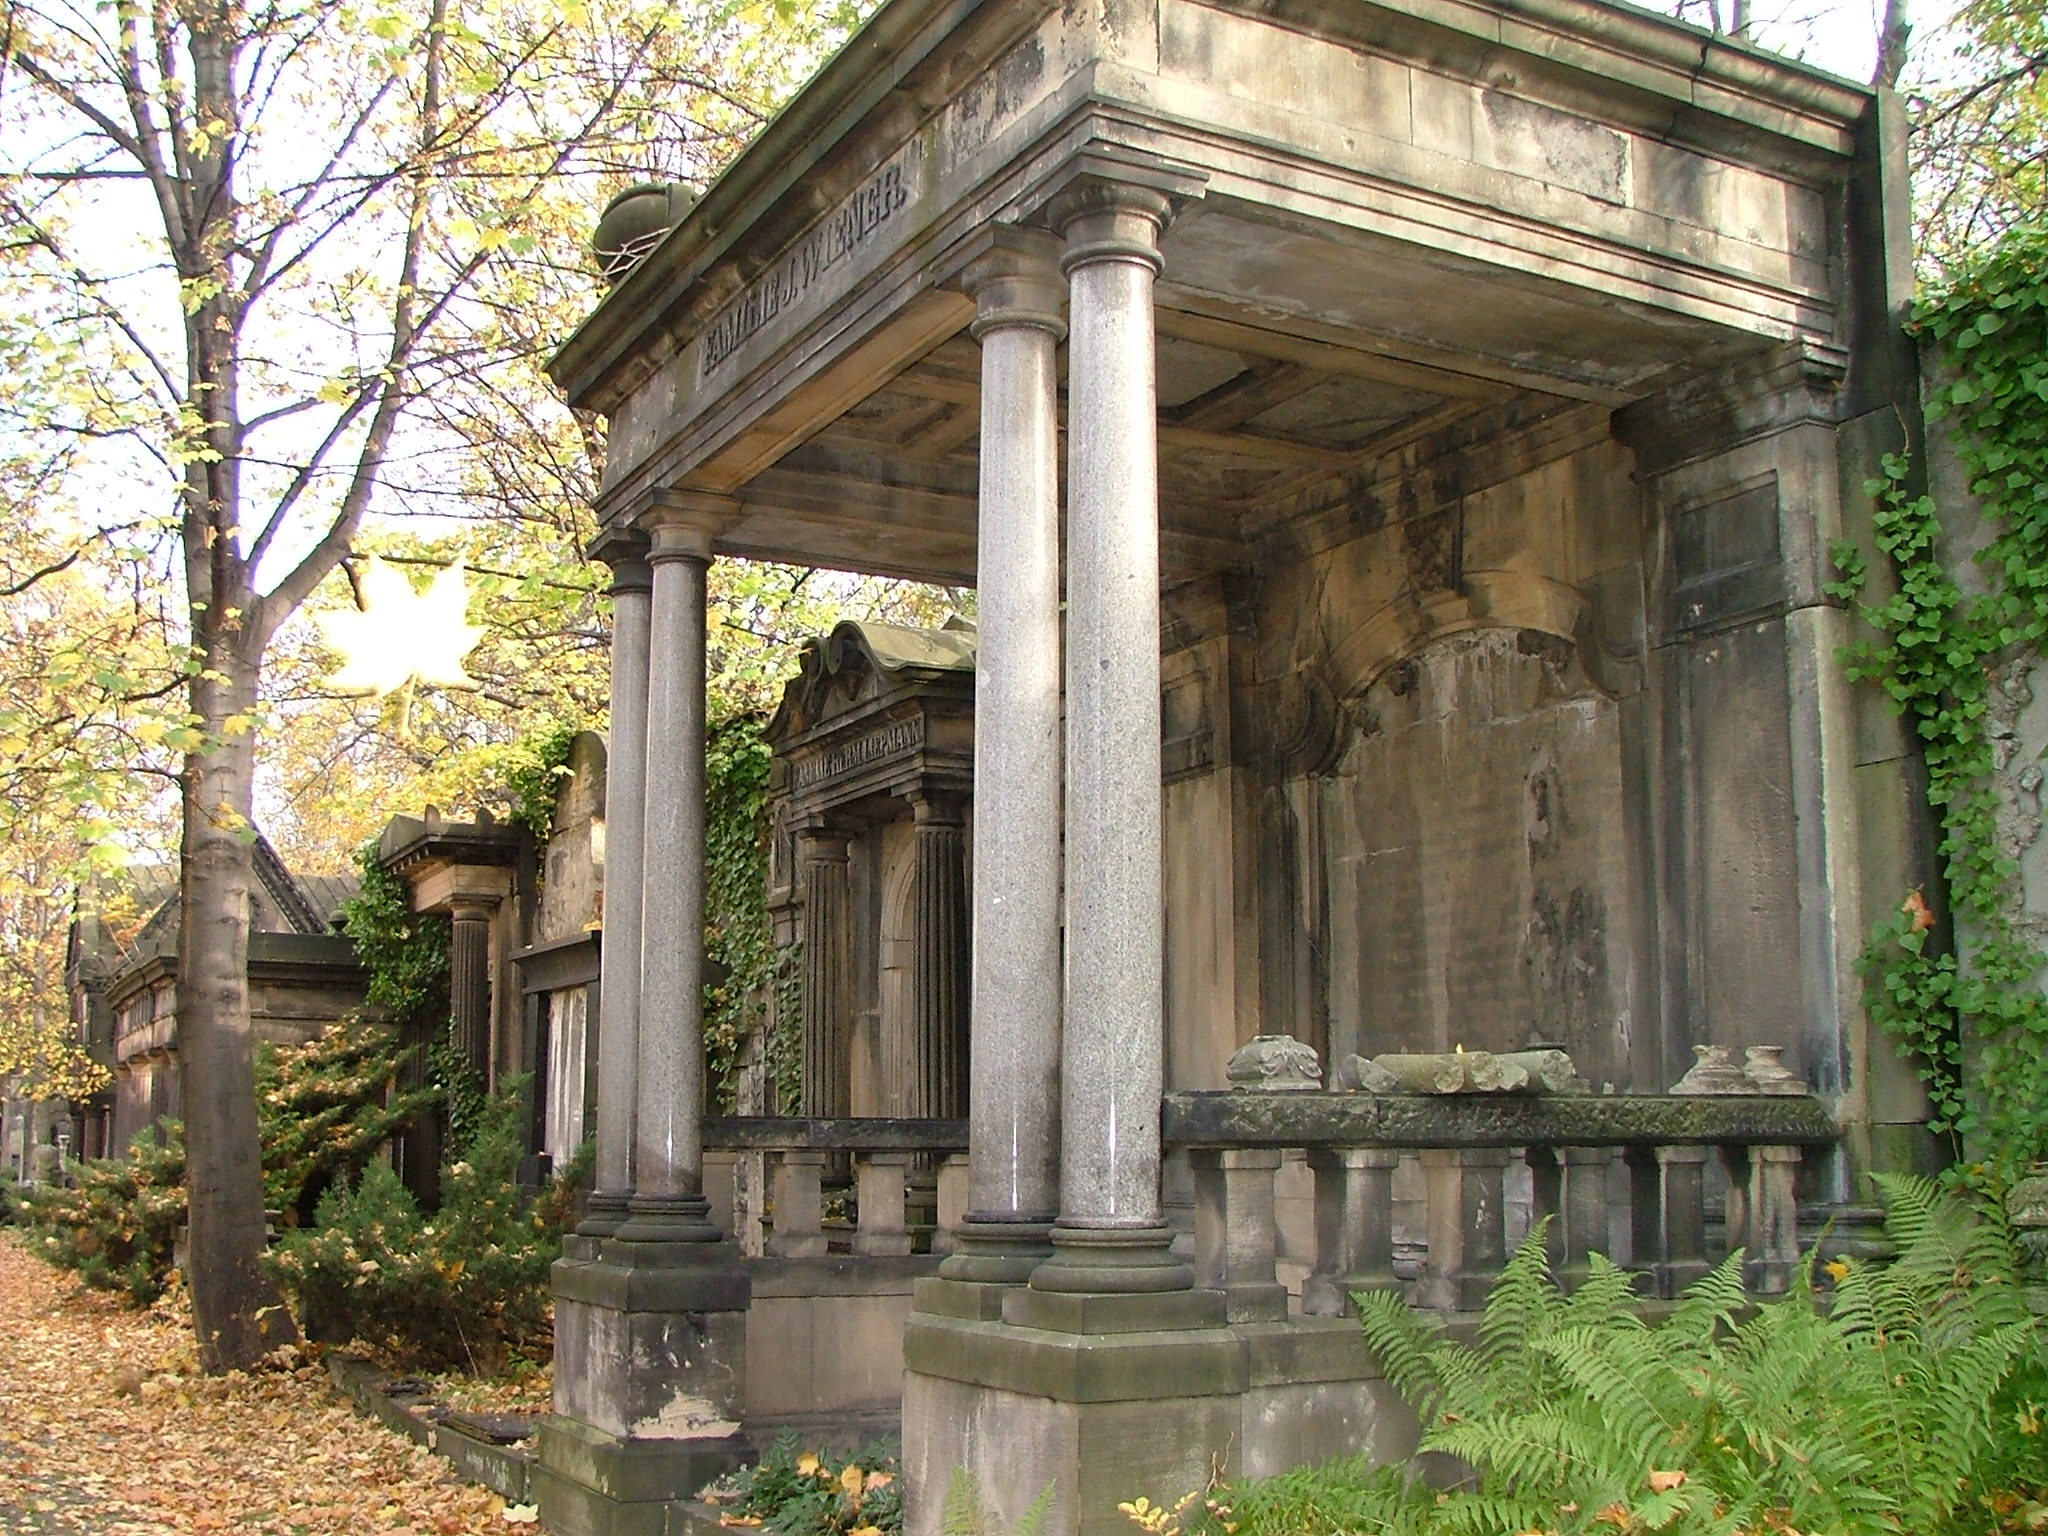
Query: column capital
[[944, 808], [624, 549], [681, 524], [1108, 220], [823, 842], [1016, 283]]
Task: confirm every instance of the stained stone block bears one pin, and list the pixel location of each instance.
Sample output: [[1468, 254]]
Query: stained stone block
[[650, 1386]]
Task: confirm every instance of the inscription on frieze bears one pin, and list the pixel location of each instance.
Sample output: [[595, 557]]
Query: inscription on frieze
[[897, 737], [827, 246]]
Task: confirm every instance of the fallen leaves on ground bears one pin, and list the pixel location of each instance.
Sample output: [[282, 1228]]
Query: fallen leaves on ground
[[108, 1428]]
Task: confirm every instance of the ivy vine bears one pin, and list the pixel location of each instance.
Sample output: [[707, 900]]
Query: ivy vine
[[1971, 1015], [533, 775], [738, 936]]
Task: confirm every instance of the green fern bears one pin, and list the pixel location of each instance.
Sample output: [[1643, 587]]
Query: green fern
[[966, 1512], [1882, 1407]]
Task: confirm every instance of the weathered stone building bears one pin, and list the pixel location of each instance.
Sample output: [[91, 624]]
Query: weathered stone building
[[303, 976], [1425, 646], [525, 926]]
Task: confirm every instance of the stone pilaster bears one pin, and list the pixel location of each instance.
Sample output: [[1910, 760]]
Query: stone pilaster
[[1109, 1238], [828, 912], [469, 985], [936, 1073], [1014, 1007], [625, 811]]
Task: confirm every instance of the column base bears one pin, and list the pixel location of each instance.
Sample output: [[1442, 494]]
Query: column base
[[997, 1252], [663, 1222], [603, 1214], [1112, 1261], [590, 1483]]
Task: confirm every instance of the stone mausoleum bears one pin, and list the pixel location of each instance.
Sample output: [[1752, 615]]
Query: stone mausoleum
[[1397, 447]]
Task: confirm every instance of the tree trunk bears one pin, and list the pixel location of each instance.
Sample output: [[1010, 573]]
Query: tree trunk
[[236, 1309], [1894, 37]]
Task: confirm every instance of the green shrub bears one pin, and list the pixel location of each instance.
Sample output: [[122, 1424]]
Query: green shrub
[[116, 1222], [328, 1106], [794, 1492], [461, 1289], [1907, 1399]]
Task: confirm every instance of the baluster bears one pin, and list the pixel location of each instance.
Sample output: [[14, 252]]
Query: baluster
[[1467, 1230], [953, 1175], [1236, 1239], [799, 1206], [1773, 1219], [1546, 1200], [1735, 1162], [1684, 1256], [1354, 1227], [1585, 1209], [1667, 1187], [882, 1188]]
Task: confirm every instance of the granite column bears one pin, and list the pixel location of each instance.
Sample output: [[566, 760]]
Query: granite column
[[668, 1204], [625, 810], [1014, 987], [1109, 1237]]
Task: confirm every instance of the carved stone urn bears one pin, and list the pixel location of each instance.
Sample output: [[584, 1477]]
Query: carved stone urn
[[1713, 1073], [1764, 1066]]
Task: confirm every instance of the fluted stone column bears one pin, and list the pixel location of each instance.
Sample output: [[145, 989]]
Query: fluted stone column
[[469, 984], [828, 911], [936, 1073], [625, 812], [1109, 1237], [1014, 989], [668, 1204]]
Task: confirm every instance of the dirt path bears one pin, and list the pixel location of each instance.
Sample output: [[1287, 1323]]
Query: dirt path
[[108, 1429]]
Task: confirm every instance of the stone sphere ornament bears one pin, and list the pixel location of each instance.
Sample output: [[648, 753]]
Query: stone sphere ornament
[[633, 223], [1275, 1064]]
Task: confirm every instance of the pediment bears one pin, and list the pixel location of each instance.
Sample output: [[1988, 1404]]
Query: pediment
[[862, 665]]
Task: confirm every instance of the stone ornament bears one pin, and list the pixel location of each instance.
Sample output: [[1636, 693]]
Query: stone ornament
[[1713, 1074], [1764, 1066], [1544, 1070], [1359, 1074], [1275, 1064]]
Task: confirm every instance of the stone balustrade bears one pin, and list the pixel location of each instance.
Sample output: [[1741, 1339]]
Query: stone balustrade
[[1686, 1179], [903, 1182], [1466, 1147]]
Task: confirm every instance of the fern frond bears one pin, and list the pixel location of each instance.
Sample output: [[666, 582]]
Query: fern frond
[[1523, 1299], [1402, 1340]]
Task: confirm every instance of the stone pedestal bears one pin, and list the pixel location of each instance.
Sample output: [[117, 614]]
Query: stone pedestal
[[650, 1384], [1103, 1418]]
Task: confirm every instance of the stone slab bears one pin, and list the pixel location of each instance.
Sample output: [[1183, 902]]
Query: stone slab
[[1077, 1367], [629, 1471], [974, 1299], [723, 1287], [1412, 1122], [834, 1275], [1114, 1312]]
